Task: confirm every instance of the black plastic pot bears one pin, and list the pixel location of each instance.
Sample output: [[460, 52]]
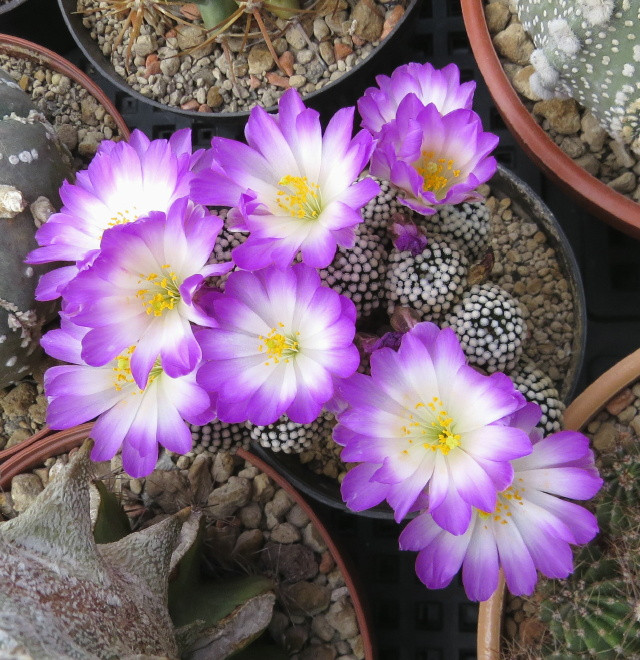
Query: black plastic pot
[[527, 205], [344, 91], [8, 6]]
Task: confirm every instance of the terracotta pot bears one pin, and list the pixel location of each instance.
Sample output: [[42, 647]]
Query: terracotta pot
[[21, 48], [596, 196], [577, 416], [32, 452], [528, 206], [394, 49]]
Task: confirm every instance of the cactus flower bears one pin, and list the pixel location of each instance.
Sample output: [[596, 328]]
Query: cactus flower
[[291, 187], [529, 529], [427, 424], [442, 87], [281, 338], [434, 159]]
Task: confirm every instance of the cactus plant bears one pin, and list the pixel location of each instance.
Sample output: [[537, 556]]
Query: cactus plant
[[33, 164], [64, 595], [589, 50]]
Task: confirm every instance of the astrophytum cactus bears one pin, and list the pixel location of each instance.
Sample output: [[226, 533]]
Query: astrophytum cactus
[[589, 50], [33, 164]]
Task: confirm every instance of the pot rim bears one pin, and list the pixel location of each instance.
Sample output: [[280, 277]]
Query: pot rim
[[581, 411], [21, 48], [601, 200], [92, 52], [47, 443]]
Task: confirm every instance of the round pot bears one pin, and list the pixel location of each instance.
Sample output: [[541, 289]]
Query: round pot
[[21, 48], [577, 416], [32, 452], [343, 91], [527, 205], [598, 198]]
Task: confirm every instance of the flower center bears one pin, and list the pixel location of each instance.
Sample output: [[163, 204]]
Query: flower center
[[122, 375], [160, 292], [437, 173], [433, 426], [506, 499], [125, 216], [298, 197], [278, 346]]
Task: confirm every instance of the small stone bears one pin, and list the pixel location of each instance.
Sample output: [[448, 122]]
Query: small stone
[[297, 516], [623, 158], [297, 81], [190, 10], [318, 652], [145, 45], [620, 401], [222, 467], [514, 44], [625, 183], [320, 29], [263, 489], [342, 50], [497, 16], [313, 538], [88, 146], [562, 114], [280, 504], [295, 37], [605, 438], [88, 107], [214, 98], [170, 66], [190, 105], [251, 515], [392, 18], [295, 638], [285, 533], [531, 632], [12, 202], [306, 598], [368, 21], [635, 424], [68, 135], [24, 490], [200, 479], [190, 37], [322, 628], [592, 133], [277, 80], [227, 499], [326, 52], [167, 488], [286, 63], [249, 543], [326, 563], [260, 60], [293, 562], [589, 163], [18, 436]]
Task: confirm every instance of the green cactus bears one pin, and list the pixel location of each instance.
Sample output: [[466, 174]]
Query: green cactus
[[63, 595], [594, 613], [589, 50], [617, 505]]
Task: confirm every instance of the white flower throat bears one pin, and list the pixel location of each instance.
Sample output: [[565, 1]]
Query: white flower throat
[[433, 426], [299, 198], [278, 346]]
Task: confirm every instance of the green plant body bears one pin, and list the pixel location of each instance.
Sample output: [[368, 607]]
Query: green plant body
[[589, 50]]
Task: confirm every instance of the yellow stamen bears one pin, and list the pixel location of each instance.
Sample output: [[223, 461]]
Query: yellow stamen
[[437, 173], [298, 197], [123, 375], [435, 431], [277, 345], [164, 292]]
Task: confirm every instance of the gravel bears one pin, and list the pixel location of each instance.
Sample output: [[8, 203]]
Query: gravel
[[259, 529], [573, 128], [174, 64]]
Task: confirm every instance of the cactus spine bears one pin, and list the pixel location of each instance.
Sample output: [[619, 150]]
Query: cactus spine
[[589, 50]]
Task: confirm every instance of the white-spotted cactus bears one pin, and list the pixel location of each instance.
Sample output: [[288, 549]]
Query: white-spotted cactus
[[589, 50]]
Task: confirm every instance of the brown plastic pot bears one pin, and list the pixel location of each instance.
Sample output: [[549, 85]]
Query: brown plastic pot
[[32, 453], [23, 49], [583, 409], [598, 198]]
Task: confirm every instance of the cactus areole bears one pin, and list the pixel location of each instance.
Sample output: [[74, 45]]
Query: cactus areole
[[589, 50]]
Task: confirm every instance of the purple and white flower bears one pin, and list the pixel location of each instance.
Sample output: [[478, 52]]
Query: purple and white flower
[[425, 424], [124, 181], [442, 87], [434, 159], [280, 341], [530, 529], [291, 186], [142, 290], [128, 417]]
